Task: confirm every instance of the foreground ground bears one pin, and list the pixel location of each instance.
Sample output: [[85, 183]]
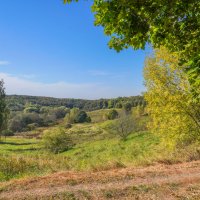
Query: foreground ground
[[178, 181]]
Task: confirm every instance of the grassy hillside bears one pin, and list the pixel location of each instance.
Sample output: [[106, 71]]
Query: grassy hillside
[[24, 157]]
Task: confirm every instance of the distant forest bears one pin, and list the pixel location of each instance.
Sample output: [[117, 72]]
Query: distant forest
[[19, 102]]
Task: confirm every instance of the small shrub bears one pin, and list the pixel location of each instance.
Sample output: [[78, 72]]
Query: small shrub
[[7, 132], [112, 114], [56, 140], [32, 126], [127, 107], [81, 117], [88, 119]]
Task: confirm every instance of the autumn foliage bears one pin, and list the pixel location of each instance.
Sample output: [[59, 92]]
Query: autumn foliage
[[173, 112]]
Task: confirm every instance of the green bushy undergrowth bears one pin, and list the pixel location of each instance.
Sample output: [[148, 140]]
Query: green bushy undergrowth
[[56, 140]]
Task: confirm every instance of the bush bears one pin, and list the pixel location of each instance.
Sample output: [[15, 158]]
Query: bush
[[59, 112], [15, 125], [56, 140], [127, 107], [32, 126], [32, 109], [77, 116], [69, 118], [7, 132], [112, 114], [21, 121], [80, 117], [118, 105]]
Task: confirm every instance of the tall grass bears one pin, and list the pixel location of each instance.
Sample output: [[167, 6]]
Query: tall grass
[[139, 148], [15, 166]]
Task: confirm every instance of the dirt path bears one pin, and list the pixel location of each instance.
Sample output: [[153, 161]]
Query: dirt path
[[179, 181]]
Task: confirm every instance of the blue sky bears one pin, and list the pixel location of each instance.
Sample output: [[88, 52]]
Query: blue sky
[[51, 49]]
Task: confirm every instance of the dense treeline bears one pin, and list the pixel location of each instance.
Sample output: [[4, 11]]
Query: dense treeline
[[30, 112], [19, 102]]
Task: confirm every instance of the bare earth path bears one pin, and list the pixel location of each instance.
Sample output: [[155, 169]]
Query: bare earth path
[[164, 182]]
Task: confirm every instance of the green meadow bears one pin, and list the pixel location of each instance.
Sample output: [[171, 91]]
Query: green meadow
[[96, 148]]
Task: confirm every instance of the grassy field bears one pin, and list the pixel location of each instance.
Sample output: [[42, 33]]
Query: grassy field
[[21, 157], [100, 169], [96, 148]]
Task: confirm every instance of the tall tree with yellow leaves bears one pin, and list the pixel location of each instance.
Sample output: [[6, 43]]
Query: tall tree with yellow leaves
[[173, 112]]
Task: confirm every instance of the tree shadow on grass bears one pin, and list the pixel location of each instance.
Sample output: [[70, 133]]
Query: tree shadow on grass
[[24, 150], [16, 144]]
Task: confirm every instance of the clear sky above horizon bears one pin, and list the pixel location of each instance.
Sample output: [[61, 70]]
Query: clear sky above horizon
[[51, 49]]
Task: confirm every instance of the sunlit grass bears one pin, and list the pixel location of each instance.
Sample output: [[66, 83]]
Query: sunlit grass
[[139, 148], [23, 157]]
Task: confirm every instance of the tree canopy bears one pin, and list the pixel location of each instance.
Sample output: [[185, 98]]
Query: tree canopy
[[174, 24], [3, 108]]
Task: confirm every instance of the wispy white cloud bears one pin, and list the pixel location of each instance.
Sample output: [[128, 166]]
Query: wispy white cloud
[[18, 85], [4, 62]]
